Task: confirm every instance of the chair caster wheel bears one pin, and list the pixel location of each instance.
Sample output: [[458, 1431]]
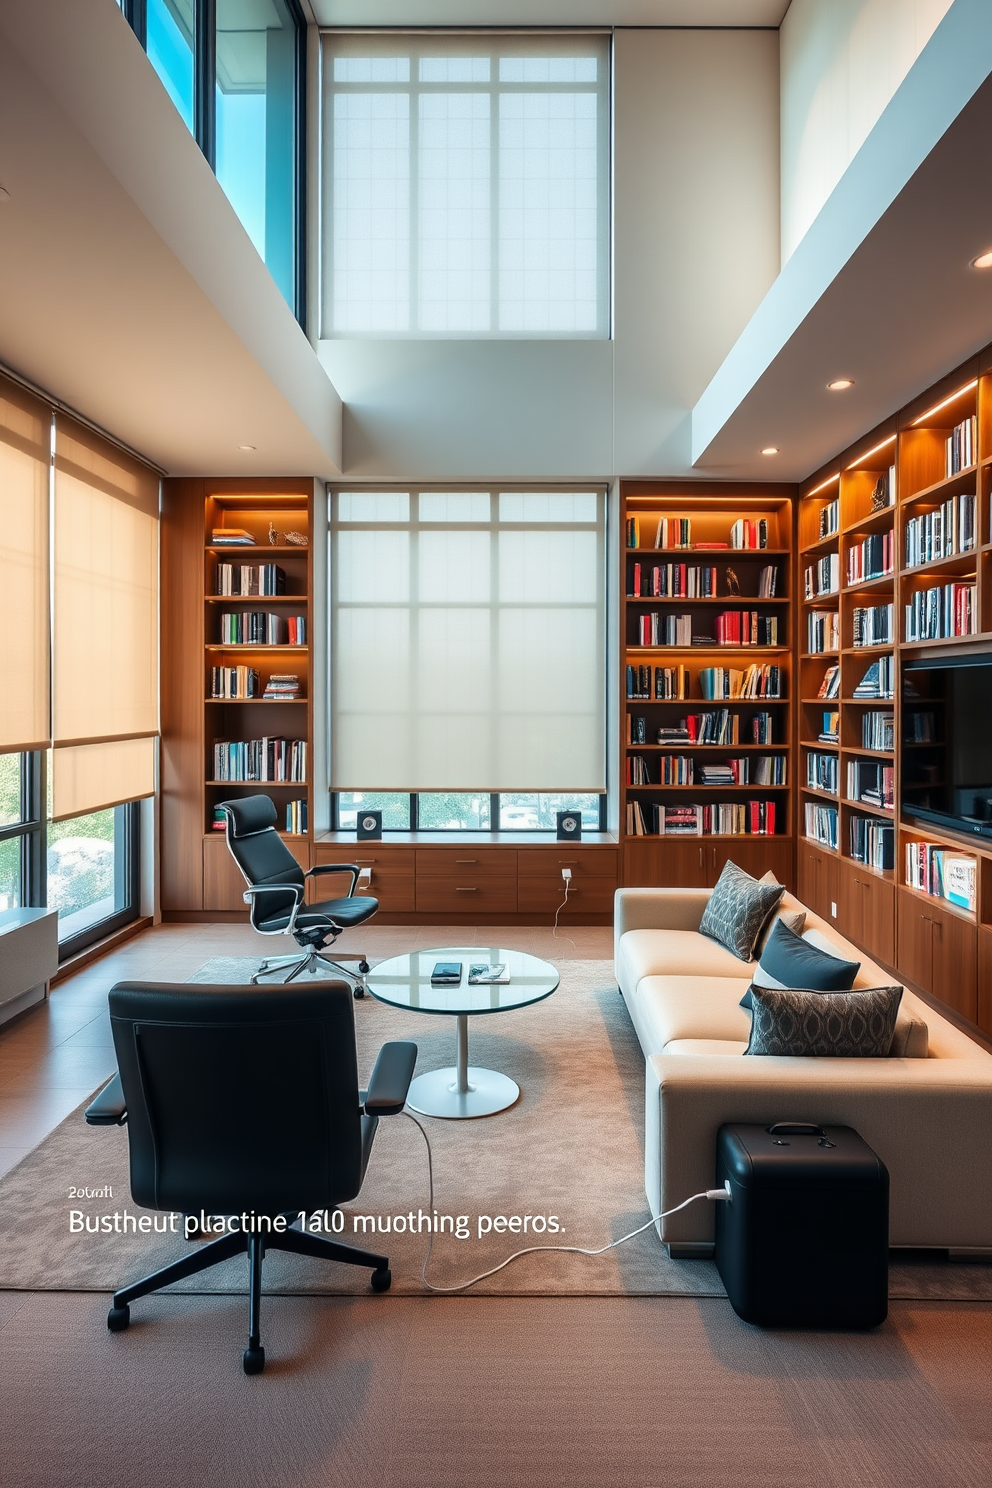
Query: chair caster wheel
[[382, 1280], [363, 967], [254, 1360], [358, 993], [118, 1318]]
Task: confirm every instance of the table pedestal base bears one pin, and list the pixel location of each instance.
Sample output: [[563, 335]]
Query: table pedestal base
[[437, 1093]]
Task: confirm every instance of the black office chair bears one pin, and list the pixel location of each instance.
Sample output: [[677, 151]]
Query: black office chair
[[245, 1102], [276, 892]]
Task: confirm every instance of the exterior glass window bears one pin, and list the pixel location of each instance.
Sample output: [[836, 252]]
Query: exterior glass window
[[91, 873], [20, 829], [169, 44], [256, 127]]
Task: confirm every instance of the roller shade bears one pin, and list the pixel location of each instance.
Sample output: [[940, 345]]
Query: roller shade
[[468, 641], [25, 463], [105, 673]]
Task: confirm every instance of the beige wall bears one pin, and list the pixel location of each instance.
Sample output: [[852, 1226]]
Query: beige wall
[[841, 61], [696, 248]]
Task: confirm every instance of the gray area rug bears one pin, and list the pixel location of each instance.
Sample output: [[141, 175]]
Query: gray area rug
[[569, 1152]]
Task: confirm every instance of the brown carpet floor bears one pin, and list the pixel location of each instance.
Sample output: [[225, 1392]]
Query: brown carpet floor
[[489, 1392]]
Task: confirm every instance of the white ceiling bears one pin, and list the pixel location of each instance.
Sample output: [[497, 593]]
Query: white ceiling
[[128, 288], [466, 13]]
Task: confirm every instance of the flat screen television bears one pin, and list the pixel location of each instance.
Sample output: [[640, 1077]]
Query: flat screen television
[[947, 742]]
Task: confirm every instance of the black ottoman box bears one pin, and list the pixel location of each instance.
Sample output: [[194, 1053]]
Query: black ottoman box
[[804, 1240]]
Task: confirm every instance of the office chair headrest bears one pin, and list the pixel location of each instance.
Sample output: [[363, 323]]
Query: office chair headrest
[[250, 815]]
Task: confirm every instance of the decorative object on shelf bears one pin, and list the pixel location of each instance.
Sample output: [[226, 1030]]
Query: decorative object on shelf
[[880, 495], [369, 823], [569, 826], [298, 539], [733, 582], [273, 534]]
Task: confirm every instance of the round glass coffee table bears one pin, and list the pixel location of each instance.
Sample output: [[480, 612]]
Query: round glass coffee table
[[461, 1090]]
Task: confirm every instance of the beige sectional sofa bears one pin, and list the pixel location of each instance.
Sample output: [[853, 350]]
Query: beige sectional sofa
[[926, 1110]]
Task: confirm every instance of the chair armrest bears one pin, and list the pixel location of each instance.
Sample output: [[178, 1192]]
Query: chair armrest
[[109, 1108], [351, 868], [390, 1080], [250, 894]]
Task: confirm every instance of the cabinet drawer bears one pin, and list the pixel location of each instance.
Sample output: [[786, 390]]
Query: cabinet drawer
[[466, 864], [585, 895], [584, 863], [462, 894], [391, 878]]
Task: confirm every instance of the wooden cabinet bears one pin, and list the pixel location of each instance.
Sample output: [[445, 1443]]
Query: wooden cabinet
[[541, 888], [663, 863], [866, 911], [985, 978], [938, 951], [466, 881], [223, 883], [390, 873], [818, 880]]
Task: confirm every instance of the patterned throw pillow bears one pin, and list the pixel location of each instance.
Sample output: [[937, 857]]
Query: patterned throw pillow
[[831, 1025], [737, 910]]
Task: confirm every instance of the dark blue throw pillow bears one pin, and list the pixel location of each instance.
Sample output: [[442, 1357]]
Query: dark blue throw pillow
[[794, 962]]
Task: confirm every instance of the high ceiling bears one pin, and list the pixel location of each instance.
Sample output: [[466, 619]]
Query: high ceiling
[[549, 12]]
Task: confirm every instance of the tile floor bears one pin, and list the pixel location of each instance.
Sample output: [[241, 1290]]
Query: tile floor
[[55, 1055]]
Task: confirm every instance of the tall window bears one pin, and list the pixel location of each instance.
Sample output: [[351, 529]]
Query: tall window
[[468, 645], [466, 185], [235, 71]]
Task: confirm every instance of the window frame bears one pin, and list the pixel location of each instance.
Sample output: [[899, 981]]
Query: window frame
[[30, 831], [495, 815], [416, 88], [127, 882]]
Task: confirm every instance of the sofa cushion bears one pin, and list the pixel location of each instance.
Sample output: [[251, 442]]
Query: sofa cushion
[[645, 953], [790, 960], [838, 1025], [690, 1007], [792, 919], [911, 1039], [737, 910], [705, 1048]]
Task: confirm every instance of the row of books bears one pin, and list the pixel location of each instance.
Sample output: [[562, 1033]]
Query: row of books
[[822, 631], [717, 683], [820, 824], [722, 726], [960, 446], [823, 576], [669, 532], [947, 610], [256, 628], [723, 819], [830, 686], [234, 682], [878, 730], [871, 782], [873, 842], [821, 772], [745, 628], [668, 682], [682, 769], [261, 759], [748, 533], [249, 579], [873, 558], [282, 687], [871, 625], [656, 629], [680, 580], [231, 537], [830, 518], [830, 729], [941, 533], [879, 680], [296, 818], [941, 873]]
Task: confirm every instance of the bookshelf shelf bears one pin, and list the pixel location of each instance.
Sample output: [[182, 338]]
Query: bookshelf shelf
[[761, 815]]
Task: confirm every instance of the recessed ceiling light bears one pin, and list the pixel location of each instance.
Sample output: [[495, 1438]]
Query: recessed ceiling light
[[246, 447], [983, 261], [770, 449], [840, 384]]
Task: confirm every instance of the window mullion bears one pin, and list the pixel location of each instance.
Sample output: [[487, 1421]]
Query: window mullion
[[414, 232], [494, 97]]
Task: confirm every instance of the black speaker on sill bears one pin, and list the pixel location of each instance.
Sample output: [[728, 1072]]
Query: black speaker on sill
[[804, 1240], [369, 826], [569, 826]]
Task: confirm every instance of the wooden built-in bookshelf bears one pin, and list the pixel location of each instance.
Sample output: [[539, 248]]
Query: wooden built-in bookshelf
[[891, 482], [675, 646]]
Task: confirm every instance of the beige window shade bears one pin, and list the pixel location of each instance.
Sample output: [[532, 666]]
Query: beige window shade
[[105, 681], [89, 777], [25, 460]]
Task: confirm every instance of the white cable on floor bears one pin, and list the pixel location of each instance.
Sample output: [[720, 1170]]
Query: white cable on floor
[[710, 1193], [554, 931]]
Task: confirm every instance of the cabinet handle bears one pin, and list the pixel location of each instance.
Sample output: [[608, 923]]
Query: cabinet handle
[[459, 890], [466, 860], [700, 857]]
